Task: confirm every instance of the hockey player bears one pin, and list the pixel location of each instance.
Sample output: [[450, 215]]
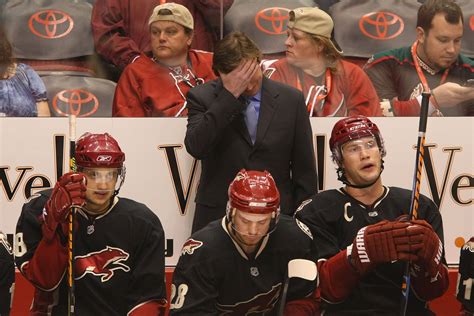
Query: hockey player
[[362, 241], [466, 276], [7, 275], [236, 265], [119, 243]]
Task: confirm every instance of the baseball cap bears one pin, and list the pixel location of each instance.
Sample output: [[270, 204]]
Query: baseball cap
[[313, 21], [172, 12]]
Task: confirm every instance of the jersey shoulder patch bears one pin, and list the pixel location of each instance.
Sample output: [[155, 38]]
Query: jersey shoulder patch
[[303, 204], [190, 246], [304, 228]]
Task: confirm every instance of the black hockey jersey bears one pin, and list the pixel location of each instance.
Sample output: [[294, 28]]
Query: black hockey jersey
[[466, 276], [215, 277], [7, 275], [335, 217], [119, 259]]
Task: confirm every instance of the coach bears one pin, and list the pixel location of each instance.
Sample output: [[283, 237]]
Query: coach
[[242, 120]]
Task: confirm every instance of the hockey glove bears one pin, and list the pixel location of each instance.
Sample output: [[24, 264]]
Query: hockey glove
[[69, 191], [383, 242], [429, 255]]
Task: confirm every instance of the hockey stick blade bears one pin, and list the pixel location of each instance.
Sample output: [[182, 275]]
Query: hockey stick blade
[[303, 269], [297, 268]]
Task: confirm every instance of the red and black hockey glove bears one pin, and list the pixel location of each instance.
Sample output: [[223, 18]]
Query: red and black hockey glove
[[429, 255], [380, 243], [69, 191]]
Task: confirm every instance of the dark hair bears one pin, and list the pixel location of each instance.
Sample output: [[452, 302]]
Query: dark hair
[[231, 50], [6, 55], [452, 13]]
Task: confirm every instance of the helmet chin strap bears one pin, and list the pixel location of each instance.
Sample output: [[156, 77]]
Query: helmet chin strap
[[342, 177]]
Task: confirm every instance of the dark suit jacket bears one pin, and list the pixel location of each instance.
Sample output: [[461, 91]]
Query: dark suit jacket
[[218, 136]]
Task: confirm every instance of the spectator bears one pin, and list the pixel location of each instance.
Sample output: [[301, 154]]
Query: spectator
[[264, 22], [236, 265], [433, 63], [122, 33], [363, 236], [314, 65], [120, 29], [119, 255], [7, 275], [243, 120], [157, 85], [22, 92]]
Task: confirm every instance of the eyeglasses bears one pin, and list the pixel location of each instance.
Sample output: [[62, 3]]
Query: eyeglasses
[[356, 147]]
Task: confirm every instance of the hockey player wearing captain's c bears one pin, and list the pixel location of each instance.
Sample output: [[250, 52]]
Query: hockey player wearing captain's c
[[118, 243], [363, 237]]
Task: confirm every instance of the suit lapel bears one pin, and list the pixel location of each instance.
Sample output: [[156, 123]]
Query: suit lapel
[[267, 109]]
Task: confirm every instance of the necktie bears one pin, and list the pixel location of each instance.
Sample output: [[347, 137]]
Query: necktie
[[251, 119]]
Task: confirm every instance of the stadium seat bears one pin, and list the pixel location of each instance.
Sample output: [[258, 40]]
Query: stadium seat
[[79, 95], [56, 30], [264, 21], [363, 28]]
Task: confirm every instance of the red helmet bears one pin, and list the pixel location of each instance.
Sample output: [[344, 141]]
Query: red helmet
[[351, 128], [99, 150], [254, 192]]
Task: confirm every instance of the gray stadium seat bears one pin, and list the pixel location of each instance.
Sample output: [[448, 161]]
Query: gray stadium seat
[[80, 95]]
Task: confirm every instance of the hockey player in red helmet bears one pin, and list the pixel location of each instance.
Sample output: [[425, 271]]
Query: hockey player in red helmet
[[118, 243], [253, 208], [236, 265], [358, 132], [362, 241], [100, 159]]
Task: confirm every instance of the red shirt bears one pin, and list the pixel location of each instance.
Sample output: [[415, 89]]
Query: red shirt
[[351, 91], [147, 88]]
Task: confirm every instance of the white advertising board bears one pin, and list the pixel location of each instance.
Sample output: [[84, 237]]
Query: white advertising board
[[161, 174]]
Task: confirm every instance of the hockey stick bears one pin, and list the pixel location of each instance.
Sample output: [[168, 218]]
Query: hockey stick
[[415, 193], [72, 167], [297, 268]]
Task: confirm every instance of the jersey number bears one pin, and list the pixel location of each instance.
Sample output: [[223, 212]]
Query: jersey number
[[19, 245], [180, 293], [467, 287]]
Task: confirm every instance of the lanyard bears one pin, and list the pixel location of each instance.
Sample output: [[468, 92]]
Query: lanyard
[[319, 97], [421, 75]]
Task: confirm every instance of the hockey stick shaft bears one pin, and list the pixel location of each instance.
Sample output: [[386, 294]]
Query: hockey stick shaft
[[415, 193], [284, 292], [72, 167]]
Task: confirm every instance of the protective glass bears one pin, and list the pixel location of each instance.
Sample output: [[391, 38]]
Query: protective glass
[[355, 147], [104, 179]]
